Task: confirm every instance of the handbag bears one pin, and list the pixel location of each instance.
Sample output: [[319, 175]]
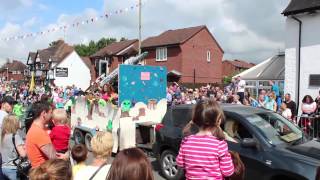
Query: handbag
[[23, 164]]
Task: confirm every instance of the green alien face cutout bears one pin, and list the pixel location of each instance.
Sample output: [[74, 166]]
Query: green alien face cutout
[[125, 105]]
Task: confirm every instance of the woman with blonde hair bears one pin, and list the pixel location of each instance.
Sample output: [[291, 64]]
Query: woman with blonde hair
[[54, 169], [101, 145], [9, 135], [271, 103]]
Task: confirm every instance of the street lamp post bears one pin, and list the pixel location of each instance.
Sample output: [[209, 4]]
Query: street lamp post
[[7, 74]]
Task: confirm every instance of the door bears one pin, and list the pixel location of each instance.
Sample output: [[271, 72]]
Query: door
[[252, 157]]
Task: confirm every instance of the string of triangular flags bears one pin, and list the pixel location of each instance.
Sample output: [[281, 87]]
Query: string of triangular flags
[[75, 24]]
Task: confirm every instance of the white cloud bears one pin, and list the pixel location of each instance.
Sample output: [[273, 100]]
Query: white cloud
[[244, 32], [30, 22]]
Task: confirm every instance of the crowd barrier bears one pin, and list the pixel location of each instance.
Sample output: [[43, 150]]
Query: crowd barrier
[[310, 124]]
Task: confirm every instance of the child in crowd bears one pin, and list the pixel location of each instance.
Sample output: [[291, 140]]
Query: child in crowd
[[79, 153], [60, 134], [205, 155]]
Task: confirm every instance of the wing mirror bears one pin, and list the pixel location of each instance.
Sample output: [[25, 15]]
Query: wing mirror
[[249, 143]]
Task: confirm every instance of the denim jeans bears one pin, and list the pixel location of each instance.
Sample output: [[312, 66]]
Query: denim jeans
[[10, 173]]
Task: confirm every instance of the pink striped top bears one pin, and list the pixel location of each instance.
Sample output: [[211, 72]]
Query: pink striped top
[[205, 157]]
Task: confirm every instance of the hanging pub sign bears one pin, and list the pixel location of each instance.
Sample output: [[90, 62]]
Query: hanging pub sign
[[61, 72]]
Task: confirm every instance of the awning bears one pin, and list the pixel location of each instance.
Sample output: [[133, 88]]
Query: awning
[[270, 69], [174, 73]]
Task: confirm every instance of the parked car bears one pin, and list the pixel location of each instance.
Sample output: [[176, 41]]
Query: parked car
[[270, 146]]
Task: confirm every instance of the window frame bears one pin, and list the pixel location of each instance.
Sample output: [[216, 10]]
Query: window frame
[[208, 56], [162, 54]]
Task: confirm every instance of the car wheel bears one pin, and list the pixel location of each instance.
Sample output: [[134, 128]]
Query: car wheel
[[78, 136], [87, 140], [169, 166]]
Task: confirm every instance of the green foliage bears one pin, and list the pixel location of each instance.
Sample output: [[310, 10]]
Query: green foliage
[[93, 47]]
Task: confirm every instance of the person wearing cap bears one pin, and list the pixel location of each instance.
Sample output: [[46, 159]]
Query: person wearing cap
[[7, 104]]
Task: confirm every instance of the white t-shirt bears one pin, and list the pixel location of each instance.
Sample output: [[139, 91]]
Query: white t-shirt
[[88, 171], [241, 85], [2, 115], [287, 113]]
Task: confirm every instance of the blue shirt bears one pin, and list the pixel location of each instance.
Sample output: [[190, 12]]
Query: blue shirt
[[276, 90]]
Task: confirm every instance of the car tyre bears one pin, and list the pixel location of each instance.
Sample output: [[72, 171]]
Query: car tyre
[[168, 165], [78, 136], [87, 140]]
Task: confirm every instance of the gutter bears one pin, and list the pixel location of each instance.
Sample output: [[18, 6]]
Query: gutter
[[299, 60]]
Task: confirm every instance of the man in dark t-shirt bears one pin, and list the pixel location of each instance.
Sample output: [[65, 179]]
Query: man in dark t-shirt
[[291, 104]]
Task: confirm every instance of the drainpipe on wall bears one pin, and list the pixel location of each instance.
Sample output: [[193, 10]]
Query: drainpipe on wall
[[299, 59]]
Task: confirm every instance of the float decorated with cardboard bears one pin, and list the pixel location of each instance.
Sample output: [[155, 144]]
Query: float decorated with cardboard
[[141, 104]]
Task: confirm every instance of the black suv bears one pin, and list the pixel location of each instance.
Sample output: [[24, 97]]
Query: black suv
[[270, 146]]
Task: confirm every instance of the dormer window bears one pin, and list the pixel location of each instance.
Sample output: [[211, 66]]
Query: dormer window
[[161, 54]]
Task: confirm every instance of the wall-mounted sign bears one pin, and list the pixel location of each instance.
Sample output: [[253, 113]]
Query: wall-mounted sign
[[61, 72]]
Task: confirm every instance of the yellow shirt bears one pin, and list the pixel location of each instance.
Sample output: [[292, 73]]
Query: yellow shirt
[[77, 168]]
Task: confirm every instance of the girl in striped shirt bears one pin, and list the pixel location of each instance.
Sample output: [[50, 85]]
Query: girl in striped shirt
[[205, 155]]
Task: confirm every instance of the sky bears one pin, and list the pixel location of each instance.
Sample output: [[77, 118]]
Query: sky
[[250, 30]]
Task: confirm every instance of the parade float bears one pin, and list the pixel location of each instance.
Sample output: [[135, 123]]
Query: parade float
[[141, 104]]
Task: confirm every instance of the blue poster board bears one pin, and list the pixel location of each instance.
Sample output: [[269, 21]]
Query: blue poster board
[[142, 83]]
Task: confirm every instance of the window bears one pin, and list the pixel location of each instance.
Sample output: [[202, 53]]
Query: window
[[161, 54], [18, 72], [14, 72], [208, 56], [314, 80]]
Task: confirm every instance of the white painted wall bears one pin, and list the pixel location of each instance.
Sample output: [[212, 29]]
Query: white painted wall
[[310, 54], [78, 72]]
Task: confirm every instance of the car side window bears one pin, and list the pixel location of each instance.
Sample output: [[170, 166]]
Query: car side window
[[234, 130], [181, 117]]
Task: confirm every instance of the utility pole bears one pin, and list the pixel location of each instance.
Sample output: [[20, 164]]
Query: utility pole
[[139, 27]]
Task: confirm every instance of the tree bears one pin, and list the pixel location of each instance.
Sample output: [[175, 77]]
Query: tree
[[123, 39], [93, 47]]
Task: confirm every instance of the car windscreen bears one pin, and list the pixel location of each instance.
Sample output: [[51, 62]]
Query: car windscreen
[[275, 128]]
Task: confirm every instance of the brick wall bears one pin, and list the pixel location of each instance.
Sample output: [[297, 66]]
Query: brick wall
[[195, 58], [174, 58]]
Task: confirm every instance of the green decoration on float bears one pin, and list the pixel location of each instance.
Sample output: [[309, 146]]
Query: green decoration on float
[[126, 105], [102, 102]]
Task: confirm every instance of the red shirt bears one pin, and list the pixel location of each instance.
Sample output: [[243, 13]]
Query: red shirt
[[60, 136]]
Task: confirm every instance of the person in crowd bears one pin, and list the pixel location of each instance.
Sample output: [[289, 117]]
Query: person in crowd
[[9, 129], [308, 106], [38, 144], [61, 132], [275, 88], [264, 93], [261, 101], [7, 103], [101, 145], [108, 93], [79, 153], [54, 169], [130, 164], [246, 102], [212, 160], [271, 103], [241, 84], [236, 100], [291, 105], [285, 111], [317, 100]]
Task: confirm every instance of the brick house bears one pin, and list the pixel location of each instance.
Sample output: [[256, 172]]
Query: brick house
[[13, 71], [191, 55], [108, 58], [230, 68]]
